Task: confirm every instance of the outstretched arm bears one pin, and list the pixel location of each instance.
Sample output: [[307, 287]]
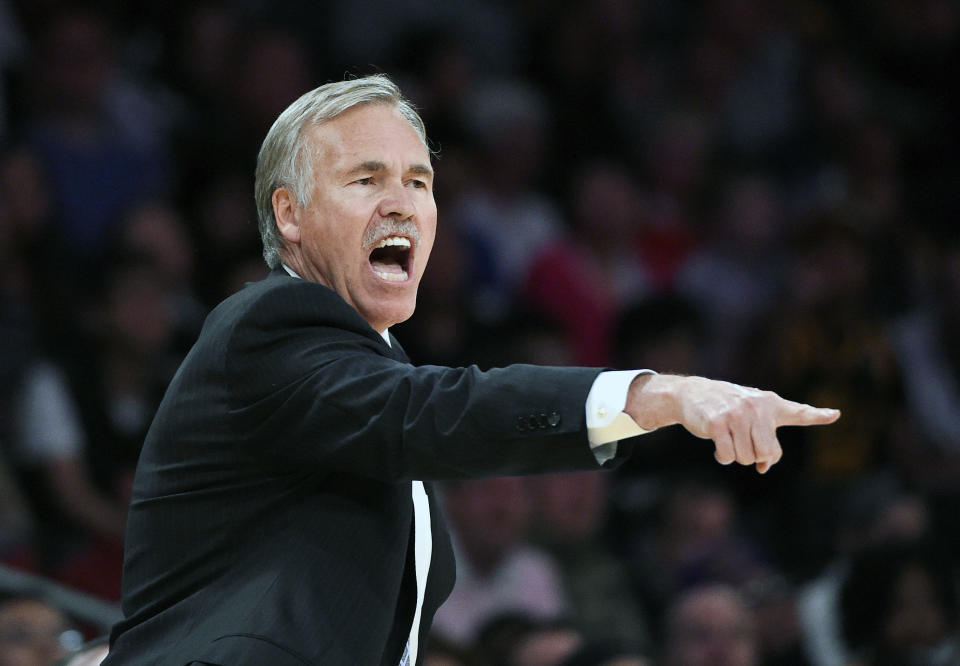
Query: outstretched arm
[[741, 421]]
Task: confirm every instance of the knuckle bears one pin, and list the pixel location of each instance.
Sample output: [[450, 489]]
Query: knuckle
[[766, 447], [745, 409], [717, 428]]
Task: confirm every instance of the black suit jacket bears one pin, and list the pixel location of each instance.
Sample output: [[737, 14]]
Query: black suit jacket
[[271, 519]]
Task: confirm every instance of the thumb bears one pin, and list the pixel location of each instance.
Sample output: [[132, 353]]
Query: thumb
[[798, 414]]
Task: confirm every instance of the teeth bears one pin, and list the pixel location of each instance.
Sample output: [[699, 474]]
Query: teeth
[[395, 240], [392, 277]]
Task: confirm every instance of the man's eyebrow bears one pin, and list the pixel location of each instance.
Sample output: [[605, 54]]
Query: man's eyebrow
[[376, 166], [367, 166], [420, 170]]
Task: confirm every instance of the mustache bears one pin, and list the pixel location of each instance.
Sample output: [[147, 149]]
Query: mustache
[[388, 227]]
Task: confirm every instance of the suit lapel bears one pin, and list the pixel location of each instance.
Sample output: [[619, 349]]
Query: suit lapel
[[396, 350]]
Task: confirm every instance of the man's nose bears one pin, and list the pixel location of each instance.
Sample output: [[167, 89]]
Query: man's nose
[[397, 202]]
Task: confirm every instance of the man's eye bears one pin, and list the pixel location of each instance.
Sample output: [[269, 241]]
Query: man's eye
[[418, 183], [365, 181]]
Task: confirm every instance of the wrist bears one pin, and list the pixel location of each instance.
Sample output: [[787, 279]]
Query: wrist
[[653, 400]]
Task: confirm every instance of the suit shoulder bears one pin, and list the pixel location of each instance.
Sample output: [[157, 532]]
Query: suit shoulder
[[280, 301]]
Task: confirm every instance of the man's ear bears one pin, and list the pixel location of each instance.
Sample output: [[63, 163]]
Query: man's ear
[[285, 212]]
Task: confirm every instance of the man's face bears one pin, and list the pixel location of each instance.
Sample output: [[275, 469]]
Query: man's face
[[30, 633], [711, 627], [371, 221]]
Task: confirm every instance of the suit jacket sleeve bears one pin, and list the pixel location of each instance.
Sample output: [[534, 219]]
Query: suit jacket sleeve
[[308, 374]]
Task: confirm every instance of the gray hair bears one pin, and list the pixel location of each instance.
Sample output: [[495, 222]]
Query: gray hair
[[287, 157]]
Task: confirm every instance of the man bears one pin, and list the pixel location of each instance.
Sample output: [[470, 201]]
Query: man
[[710, 624], [280, 513], [32, 631]]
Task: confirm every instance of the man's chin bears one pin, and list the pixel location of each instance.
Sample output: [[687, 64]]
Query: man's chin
[[383, 315]]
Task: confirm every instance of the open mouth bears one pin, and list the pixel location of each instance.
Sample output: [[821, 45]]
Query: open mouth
[[390, 259]]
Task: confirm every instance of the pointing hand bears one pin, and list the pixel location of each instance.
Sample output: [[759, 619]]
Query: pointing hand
[[741, 421]]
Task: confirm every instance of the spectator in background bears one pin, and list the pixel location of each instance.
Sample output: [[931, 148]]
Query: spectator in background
[[697, 539], [527, 338], [51, 454], [275, 68], [260, 69], [749, 71], [924, 341], [207, 44], [831, 345], [899, 605], [773, 601], [707, 625], [220, 217], [97, 166], [35, 282], [876, 511], [675, 151], [872, 166], [675, 342], [835, 97], [33, 632], [206, 39], [570, 510], [505, 220], [27, 269], [48, 442], [446, 75], [736, 276], [497, 568], [584, 279], [117, 387], [155, 231], [78, 428]]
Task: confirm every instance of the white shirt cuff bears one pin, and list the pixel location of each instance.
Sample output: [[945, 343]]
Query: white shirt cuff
[[607, 423]]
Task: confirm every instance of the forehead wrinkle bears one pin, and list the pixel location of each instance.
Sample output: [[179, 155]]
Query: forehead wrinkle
[[333, 146]]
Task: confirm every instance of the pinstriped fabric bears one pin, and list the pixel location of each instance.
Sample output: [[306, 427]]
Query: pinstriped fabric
[[272, 504]]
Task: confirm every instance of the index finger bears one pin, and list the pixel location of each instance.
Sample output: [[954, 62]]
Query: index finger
[[798, 414]]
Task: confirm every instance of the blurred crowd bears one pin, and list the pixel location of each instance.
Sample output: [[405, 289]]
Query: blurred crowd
[[766, 190]]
